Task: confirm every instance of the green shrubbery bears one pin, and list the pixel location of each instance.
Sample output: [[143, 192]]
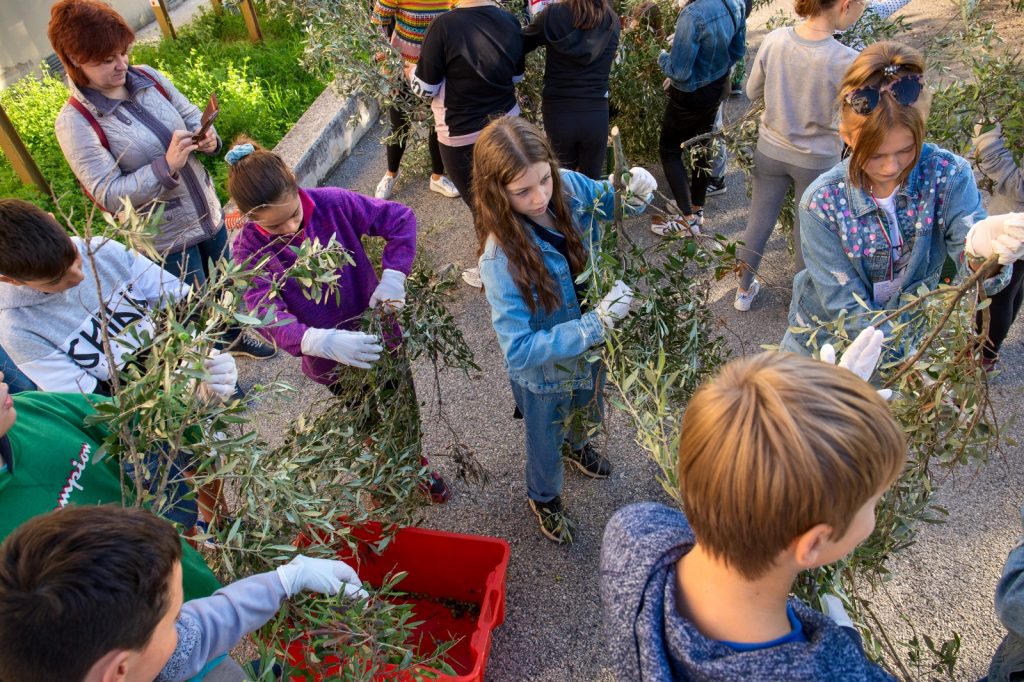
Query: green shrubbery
[[262, 90]]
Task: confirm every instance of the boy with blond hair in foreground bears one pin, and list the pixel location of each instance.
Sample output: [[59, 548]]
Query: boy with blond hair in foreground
[[782, 460]]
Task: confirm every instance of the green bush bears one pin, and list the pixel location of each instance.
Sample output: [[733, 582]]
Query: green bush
[[262, 91]]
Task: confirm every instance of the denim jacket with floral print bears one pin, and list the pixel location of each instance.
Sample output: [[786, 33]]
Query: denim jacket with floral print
[[846, 251], [545, 351]]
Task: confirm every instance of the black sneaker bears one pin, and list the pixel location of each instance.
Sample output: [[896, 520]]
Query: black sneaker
[[716, 186], [588, 460], [244, 345], [554, 524], [736, 89]]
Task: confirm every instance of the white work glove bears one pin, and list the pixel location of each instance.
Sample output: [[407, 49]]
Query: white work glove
[[390, 292], [349, 348], [641, 186], [326, 576], [615, 305], [861, 356], [221, 376], [997, 235], [834, 610]]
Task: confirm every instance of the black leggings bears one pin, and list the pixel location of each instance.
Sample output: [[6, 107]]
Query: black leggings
[[458, 161], [687, 115], [580, 138], [400, 128], [1004, 308]]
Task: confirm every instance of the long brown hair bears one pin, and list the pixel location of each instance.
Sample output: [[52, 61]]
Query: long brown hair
[[588, 14], [867, 133], [506, 148]]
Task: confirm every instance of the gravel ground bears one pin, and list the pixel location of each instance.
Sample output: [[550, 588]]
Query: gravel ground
[[552, 629]]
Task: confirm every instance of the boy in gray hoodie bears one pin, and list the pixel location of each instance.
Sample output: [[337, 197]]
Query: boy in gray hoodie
[[782, 460], [54, 292]]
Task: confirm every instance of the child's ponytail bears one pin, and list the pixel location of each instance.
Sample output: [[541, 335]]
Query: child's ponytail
[[257, 177], [812, 8]]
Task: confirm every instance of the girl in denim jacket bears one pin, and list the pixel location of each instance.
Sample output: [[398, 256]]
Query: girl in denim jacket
[[883, 222], [537, 226]]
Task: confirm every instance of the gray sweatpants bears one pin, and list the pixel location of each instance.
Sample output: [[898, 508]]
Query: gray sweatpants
[[771, 180]]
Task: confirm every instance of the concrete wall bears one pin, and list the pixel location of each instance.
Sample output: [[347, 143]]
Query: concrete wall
[[23, 42]]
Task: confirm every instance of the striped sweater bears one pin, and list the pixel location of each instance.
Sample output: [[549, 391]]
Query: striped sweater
[[405, 22]]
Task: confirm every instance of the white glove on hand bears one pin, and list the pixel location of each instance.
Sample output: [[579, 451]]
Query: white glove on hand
[[221, 376], [349, 348], [615, 304], [833, 609], [641, 186], [861, 357], [998, 235], [390, 292], [326, 576]]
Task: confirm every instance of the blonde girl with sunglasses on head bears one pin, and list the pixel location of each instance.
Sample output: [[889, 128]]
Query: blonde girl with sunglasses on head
[[882, 222]]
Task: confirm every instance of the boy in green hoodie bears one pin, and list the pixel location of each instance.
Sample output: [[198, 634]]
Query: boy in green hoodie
[[50, 458]]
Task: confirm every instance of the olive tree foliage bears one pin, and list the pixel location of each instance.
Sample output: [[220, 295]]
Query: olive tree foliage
[[350, 460]]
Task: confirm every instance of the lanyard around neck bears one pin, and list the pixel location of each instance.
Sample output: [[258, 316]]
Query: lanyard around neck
[[890, 266]]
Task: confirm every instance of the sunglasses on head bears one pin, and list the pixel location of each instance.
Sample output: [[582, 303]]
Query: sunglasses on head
[[904, 90]]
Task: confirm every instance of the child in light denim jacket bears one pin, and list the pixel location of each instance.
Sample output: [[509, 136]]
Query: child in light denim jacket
[[710, 37], [882, 223], [537, 226]]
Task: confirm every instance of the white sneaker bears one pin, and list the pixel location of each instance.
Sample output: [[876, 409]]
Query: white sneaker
[[385, 187], [745, 298], [444, 187], [664, 226], [472, 278]]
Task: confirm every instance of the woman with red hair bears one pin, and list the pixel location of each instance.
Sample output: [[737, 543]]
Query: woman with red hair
[[127, 133]]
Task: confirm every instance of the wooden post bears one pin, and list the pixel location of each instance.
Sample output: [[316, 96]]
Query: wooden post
[[218, 7], [252, 22], [18, 156], [163, 18]]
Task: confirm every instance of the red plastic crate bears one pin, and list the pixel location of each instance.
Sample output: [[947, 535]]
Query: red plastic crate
[[464, 568]]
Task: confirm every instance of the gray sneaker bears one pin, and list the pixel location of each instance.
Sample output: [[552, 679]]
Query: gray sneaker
[[385, 187], [745, 298]]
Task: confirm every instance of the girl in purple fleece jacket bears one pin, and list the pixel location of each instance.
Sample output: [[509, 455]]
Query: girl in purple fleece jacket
[[281, 215]]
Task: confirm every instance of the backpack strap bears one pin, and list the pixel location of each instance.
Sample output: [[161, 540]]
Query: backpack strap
[[87, 115], [156, 83]]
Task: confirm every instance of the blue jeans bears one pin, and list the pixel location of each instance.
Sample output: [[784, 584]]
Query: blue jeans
[[14, 378], [545, 416], [193, 266], [177, 502]]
